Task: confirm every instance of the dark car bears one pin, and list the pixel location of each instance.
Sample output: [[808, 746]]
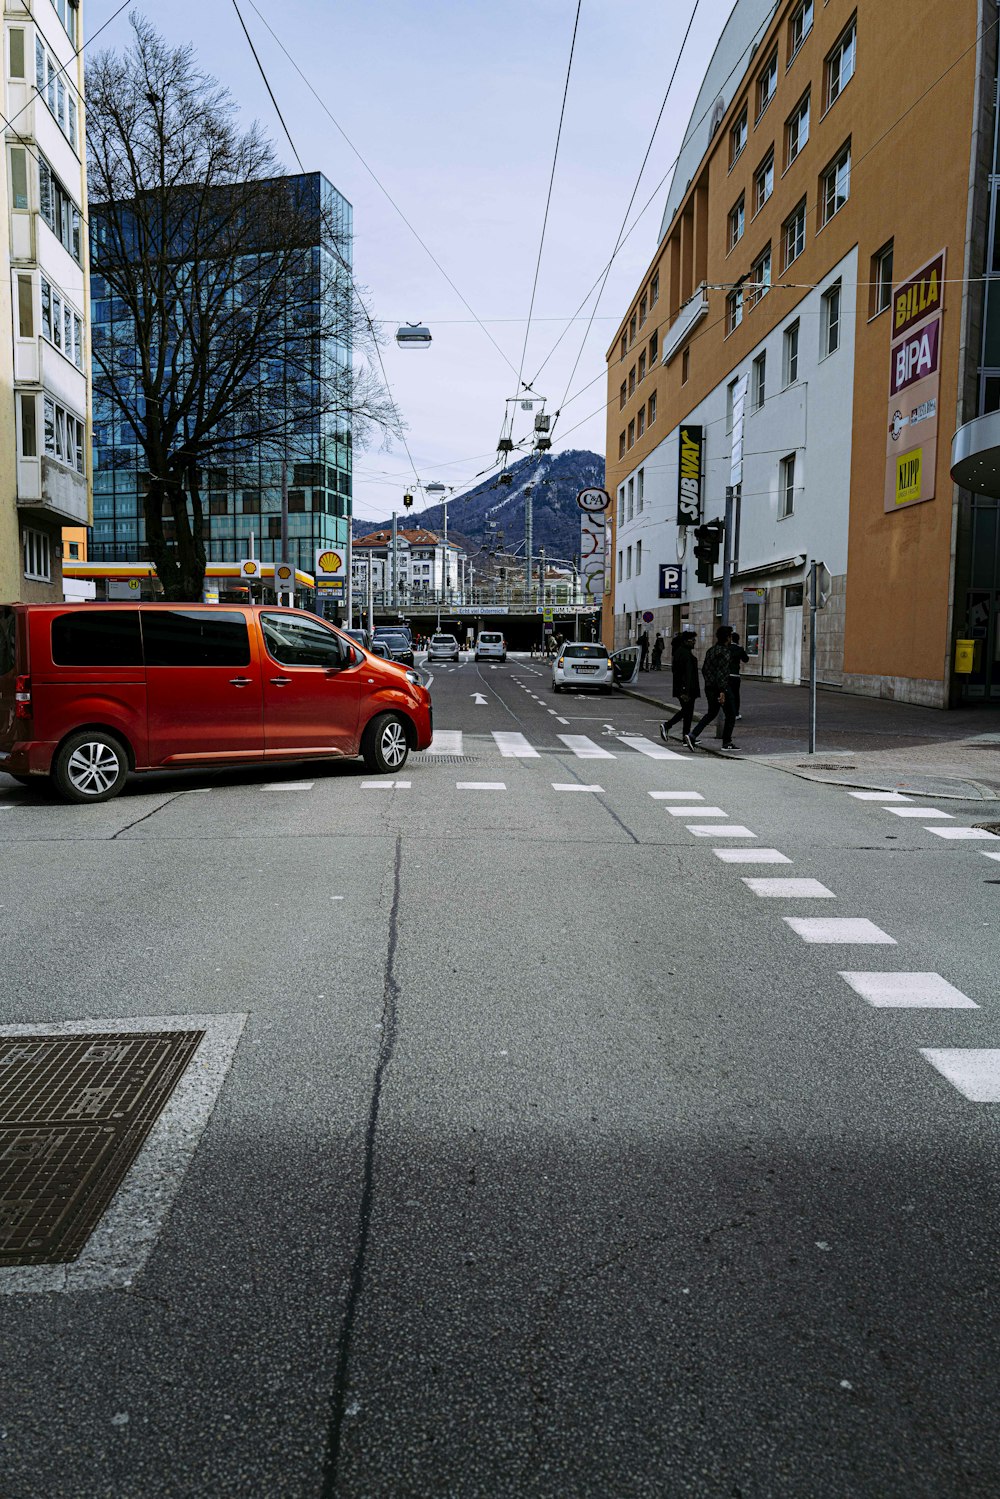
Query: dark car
[[399, 647]]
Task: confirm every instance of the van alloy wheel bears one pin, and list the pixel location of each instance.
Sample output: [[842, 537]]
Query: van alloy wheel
[[93, 768], [393, 744]]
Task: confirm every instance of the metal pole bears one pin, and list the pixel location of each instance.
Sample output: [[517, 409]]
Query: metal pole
[[371, 594], [528, 542], [395, 558], [447, 569], [727, 554], [813, 570], [284, 527]]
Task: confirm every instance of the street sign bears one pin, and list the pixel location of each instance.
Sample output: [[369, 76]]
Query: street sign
[[671, 580], [331, 569], [547, 615], [647, 616], [690, 476], [284, 577], [739, 407]]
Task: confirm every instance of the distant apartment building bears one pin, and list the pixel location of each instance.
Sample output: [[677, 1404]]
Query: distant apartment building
[[425, 569], [44, 300], [242, 499], [818, 318]]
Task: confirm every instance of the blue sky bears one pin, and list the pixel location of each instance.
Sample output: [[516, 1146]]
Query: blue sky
[[455, 107]]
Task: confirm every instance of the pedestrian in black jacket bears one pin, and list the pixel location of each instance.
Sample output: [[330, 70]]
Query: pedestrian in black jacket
[[686, 688], [659, 645], [737, 658], [715, 669]]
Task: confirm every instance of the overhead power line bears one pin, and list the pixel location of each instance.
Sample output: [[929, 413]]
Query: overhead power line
[[267, 85]]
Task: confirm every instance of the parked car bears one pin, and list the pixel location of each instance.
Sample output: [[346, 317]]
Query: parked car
[[491, 646], [379, 648], [578, 665], [90, 692], [443, 648], [400, 648], [381, 631], [362, 637]]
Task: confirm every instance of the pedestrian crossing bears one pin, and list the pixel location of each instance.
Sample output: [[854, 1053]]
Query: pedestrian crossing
[[513, 745]]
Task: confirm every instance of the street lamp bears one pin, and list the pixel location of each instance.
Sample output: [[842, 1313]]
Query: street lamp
[[413, 336]]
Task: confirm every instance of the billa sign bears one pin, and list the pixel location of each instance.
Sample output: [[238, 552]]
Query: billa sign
[[689, 475], [914, 387]]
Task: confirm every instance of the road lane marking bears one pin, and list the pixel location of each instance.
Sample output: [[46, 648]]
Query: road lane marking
[[514, 746], [974, 1071], [445, 742], [964, 833], [919, 812], [558, 786], [288, 786], [584, 748], [386, 785], [480, 786], [648, 747], [719, 830], [751, 856], [561, 720], [695, 812], [989, 853], [852, 929], [880, 796], [915, 991], [677, 796], [776, 889]]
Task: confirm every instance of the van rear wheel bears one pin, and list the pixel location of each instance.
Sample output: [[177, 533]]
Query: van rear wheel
[[384, 745], [90, 767]]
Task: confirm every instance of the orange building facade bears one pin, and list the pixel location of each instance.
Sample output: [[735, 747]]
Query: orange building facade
[[816, 304]]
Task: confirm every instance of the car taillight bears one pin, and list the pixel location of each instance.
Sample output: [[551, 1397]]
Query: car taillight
[[560, 661], [22, 697]]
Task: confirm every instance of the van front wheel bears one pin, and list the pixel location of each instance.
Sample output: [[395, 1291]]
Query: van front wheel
[[384, 746], [90, 767]]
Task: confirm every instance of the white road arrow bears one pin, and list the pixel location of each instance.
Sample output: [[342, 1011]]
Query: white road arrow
[[480, 700]]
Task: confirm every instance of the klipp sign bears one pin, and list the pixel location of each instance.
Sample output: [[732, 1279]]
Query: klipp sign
[[914, 386]]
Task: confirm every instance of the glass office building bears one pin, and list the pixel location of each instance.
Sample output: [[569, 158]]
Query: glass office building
[[241, 494]]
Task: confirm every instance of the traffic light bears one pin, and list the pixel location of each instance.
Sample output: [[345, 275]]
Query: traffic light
[[407, 501], [707, 545]]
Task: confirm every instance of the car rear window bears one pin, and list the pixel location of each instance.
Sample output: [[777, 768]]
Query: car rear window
[[178, 637], [443, 640], [588, 652], [94, 636], [490, 639]]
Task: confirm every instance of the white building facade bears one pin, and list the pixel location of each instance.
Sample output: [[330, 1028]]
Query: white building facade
[[419, 569], [794, 500]]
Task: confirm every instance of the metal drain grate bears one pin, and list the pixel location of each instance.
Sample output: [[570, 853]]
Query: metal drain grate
[[819, 765], [74, 1112], [453, 760]]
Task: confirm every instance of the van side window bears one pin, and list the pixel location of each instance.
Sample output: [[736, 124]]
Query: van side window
[[95, 637], [299, 642], [176, 637], [6, 641]]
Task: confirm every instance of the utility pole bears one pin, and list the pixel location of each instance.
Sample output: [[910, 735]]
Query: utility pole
[[813, 606], [371, 594], [395, 558], [284, 527], [528, 542]]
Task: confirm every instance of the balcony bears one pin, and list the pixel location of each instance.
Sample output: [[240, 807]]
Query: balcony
[[52, 490], [684, 323]]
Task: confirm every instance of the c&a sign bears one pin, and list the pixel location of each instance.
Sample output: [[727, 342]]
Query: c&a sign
[[690, 478], [914, 384]]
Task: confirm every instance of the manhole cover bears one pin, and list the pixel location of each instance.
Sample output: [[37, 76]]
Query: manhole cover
[[988, 827], [819, 765], [74, 1111]]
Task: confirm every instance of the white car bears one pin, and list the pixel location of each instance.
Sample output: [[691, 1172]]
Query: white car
[[443, 648], [579, 665], [491, 646]]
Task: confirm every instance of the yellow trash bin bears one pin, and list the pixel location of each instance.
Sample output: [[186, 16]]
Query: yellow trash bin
[[965, 656]]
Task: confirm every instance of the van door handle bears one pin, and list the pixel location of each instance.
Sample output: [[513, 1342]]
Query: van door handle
[[240, 681], [281, 681]]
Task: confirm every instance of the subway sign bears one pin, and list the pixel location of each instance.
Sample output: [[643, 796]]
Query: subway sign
[[690, 478]]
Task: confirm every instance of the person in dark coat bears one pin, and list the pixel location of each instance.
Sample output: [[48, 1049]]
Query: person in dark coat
[[643, 644], [686, 686], [715, 669], [659, 645], [737, 659]]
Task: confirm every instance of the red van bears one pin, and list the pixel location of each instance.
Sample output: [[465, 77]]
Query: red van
[[90, 692]]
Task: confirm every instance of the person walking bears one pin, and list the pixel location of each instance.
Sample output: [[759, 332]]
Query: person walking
[[686, 688], [643, 644], [737, 659], [715, 670], [658, 649]]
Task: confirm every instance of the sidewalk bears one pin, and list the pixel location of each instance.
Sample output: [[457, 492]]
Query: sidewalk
[[864, 742]]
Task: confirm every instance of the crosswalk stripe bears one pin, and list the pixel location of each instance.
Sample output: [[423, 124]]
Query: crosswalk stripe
[[386, 785], [974, 1071], [853, 929], [575, 786], [288, 786], [514, 746], [879, 796], [445, 742], [696, 812], [480, 786], [912, 991], [677, 796], [775, 889], [584, 748], [751, 856], [967, 834], [648, 747], [929, 812], [719, 830]]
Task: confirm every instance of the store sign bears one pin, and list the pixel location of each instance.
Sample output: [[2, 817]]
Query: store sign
[[671, 580], [331, 569], [690, 477], [914, 387], [250, 568], [284, 576], [592, 553]]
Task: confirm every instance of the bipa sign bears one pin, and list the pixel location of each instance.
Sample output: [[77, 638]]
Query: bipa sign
[[689, 476], [915, 357]]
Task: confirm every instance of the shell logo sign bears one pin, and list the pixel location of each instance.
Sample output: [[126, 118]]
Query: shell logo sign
[[250, 568], [284, 573], [329, 563]]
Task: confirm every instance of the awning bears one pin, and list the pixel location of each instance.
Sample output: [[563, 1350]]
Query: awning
[[975, 455], [100, 572], [764, 569]]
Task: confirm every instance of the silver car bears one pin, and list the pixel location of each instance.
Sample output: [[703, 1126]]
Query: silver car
[[579, 665], [443, 648]]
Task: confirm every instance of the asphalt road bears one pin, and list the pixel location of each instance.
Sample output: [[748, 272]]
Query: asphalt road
[[551, 1160]]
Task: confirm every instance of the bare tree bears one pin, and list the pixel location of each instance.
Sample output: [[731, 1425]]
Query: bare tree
[[232, 306]]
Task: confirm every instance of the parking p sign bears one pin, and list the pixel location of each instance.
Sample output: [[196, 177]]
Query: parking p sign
[[671, 580]]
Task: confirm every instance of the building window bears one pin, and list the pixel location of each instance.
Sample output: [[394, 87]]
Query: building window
[[621, 505], [631, 498], [63, 435], [60, 324], [640, 485], [622, 396], [631, 330], [786, 485], [763, 181], [250, 502], [730, 403], [654, 289], [760, 277], [799, 26], [685, 369], [793, 235], [797, 130], [37, 556], [791, 353], [25, 307], [66, 10], [74, 550], [738, 137], [794, 595], [642, 420], [767, 82], [654, 348], [619, 566], [621, 445], [50, 83], [58, 209], [835, 185], [631, 381], [881, 280], [643, 310], [652, 407], [840, 62], [737, 221], [29, 433], [19, 178], [628, 562], [831, 319], [631, 433], [759, 380], [638, 558], [16, 52], [734, 310], [642, 366], [218, 504], [624, 345]]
